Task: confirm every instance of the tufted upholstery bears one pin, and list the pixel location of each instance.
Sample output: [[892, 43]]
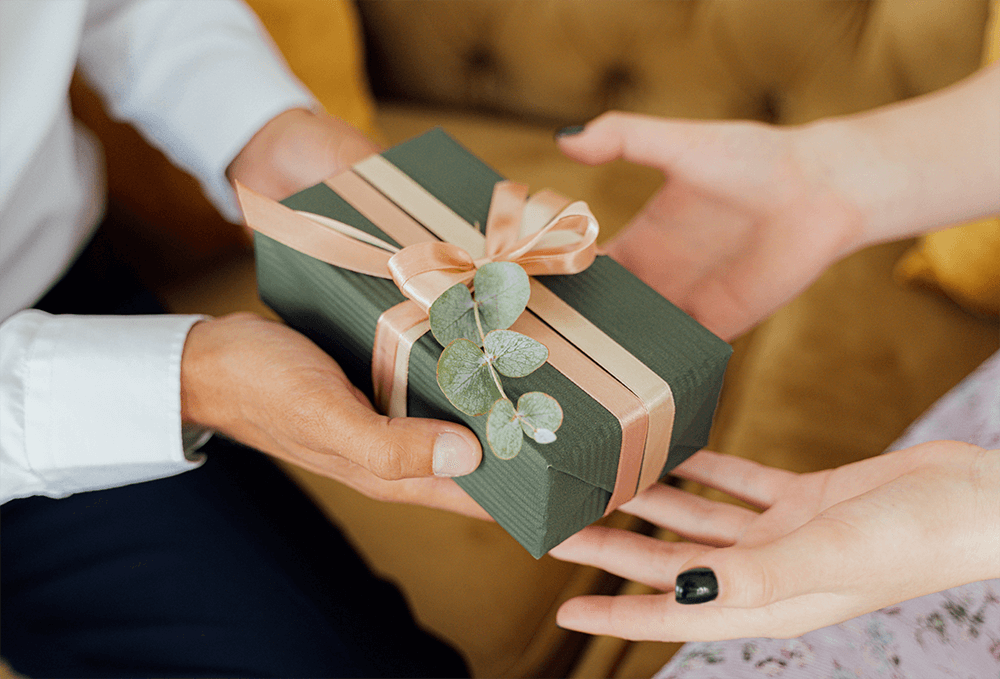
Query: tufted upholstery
[[554, 60]]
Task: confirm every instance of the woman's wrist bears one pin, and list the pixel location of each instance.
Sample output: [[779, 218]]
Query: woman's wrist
[[846, 159], [985, 482], [963, 530], [916, 165]]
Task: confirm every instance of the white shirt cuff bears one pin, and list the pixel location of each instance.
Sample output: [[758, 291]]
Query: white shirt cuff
[[91, 402]]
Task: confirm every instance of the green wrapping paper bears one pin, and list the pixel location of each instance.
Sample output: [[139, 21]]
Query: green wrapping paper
[[548, 492]]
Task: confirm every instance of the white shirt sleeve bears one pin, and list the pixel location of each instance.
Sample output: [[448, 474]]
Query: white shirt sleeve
[[197, 78], [90, 402]]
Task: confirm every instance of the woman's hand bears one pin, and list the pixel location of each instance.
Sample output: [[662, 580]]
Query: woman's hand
[[265, 385], [750, 214], [742, 223], [826, 547]]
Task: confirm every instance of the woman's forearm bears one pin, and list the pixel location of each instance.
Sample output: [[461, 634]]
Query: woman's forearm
[[917, 165]]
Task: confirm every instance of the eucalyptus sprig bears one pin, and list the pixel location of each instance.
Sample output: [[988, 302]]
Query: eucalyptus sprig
[[478, 345]]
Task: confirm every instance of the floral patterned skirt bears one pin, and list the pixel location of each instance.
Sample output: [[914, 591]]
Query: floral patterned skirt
[[955, 633]]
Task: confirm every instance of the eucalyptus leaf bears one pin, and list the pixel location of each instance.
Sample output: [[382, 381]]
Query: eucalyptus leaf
[[540, 416], [503, 431], [542, 435], [502, 292], [452, 317], [514, 354], [464, 376]]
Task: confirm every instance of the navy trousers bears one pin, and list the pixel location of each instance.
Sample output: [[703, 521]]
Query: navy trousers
[[226, 570]]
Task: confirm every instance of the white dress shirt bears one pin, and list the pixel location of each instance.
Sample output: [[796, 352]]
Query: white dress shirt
[[94, 402]]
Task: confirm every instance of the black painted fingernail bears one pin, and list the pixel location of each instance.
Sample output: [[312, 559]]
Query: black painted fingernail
[[568, 131], [696, 586]]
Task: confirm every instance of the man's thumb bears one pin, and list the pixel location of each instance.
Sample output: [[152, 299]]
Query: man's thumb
[[403, 447]]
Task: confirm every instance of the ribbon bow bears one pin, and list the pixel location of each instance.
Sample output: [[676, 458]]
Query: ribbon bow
[[425, 270]]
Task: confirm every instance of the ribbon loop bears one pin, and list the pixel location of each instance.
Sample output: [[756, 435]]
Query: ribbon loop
[[425, 270], [503, 222], [561, 236]]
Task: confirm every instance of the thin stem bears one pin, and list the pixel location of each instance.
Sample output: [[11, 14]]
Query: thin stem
[[482, 338]]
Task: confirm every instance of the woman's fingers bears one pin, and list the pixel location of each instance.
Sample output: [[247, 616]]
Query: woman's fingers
[[629, 555], [656, 617], [756, 484], [833, 546], [646, 140], [819, 557], [659, 617], [691, 516]]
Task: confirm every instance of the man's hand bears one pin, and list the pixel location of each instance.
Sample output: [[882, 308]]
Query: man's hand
[[826, 547], [265, 385]]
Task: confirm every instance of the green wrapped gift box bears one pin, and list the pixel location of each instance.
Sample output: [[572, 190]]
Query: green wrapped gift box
[[548, 492]]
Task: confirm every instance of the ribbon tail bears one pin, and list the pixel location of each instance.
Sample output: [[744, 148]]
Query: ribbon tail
[[274, 220]]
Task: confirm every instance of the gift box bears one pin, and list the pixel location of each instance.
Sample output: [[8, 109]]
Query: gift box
[[637, 379]]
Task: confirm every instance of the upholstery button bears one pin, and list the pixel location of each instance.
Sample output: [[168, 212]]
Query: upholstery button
[[616, 81], [770, 107], [480, 62]]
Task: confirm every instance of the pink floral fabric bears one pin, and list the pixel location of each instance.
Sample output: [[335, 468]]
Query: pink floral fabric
[[950, 634]]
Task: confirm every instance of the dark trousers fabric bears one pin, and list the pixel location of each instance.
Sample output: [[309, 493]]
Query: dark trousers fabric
[[226, 570]]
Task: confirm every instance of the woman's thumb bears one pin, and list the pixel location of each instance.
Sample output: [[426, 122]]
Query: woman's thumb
[[645, 140]]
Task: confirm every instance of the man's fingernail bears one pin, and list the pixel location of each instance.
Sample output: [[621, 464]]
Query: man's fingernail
[[453, 456], [568, 131], [696, 586]]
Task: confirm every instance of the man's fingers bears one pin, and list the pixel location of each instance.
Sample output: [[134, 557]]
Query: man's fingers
[[439, 493], [629, 555]]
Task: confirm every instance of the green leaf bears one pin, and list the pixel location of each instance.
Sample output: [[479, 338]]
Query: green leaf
[[540, 416], [502, 291], [451, 316], [514, 354], [464, 377], [503, 432]]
